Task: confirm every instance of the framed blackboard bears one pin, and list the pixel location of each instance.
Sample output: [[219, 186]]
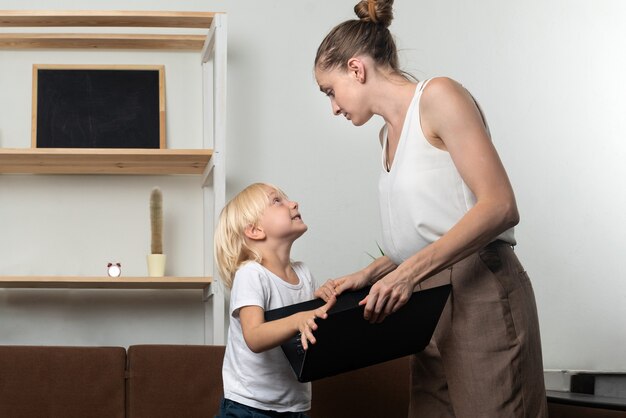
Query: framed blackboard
[[77, 106]]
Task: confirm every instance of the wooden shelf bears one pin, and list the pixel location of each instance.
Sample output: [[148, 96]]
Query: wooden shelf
[[103, 161], [115, 18], [82, 282], [110, 41], [107, 18]]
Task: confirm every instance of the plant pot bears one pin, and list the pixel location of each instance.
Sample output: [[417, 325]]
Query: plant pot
[[156, 265]]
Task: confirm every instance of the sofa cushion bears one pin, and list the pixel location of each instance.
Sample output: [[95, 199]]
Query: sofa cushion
[[62, 382], [183, 381]]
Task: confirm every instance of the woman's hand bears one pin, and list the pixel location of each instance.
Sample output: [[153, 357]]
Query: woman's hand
[[306, 322], [387, 296], [335, 287]]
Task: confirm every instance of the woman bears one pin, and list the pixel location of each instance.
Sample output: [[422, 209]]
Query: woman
[[448, 212]]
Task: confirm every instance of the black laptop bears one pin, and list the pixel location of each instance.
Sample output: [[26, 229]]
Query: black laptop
[[346, 341]]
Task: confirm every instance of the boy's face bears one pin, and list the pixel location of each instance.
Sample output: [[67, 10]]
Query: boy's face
[[281, 219]]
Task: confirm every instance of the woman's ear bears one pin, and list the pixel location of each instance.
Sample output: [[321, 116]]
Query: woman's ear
[[356, 68], [254, 232]]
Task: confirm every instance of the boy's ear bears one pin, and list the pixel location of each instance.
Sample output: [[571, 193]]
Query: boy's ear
[[254, 232]]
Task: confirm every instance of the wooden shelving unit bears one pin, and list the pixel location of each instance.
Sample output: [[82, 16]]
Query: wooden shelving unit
[[86, 18], [207, 35], [107, 18], [103, 161], [85, 282], [103, 41]]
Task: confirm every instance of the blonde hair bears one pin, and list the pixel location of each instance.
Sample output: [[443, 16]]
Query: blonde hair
[[243, 210]]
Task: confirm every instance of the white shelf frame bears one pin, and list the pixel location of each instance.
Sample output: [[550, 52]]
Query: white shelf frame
[[214, 59]]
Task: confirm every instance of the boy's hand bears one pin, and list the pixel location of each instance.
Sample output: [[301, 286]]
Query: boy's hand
[[306, 321], [335, 287]]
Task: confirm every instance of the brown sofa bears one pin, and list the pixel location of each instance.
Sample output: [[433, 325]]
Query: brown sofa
[[185, 381], [167, 381]]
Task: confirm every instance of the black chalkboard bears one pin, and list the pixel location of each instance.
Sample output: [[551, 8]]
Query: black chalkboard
[[77, 107]]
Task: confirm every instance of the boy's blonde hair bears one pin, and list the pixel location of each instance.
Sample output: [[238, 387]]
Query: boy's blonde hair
[[245, 209]]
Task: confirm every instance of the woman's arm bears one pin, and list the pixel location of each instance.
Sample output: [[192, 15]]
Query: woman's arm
[[452, 122], [261, 335], [368, 276]]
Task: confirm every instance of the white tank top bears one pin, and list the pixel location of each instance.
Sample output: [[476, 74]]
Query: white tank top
[[422, 195]]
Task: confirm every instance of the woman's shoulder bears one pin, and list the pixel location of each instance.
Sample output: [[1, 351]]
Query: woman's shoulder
[[444, 96], [441, 87]]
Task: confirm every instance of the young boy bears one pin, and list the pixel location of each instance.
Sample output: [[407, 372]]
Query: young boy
[[253, 242]]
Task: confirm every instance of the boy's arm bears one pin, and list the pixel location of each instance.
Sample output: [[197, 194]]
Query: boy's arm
[[261, 335]]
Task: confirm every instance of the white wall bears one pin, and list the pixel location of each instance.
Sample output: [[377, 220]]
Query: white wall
[[549, 75]]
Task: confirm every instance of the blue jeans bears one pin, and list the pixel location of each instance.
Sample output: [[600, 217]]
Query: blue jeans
[[232, 409]]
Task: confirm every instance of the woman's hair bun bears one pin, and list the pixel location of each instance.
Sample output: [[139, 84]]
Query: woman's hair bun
[[376, 11]]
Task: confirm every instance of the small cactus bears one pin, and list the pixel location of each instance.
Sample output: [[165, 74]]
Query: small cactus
[[156, 220]]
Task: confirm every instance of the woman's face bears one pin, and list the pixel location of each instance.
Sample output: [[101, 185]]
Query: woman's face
[[346, 94]]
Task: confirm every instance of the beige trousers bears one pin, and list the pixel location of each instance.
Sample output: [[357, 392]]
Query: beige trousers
[[484, 360]]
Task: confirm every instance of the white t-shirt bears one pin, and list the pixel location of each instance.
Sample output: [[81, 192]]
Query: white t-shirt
[[264, 380]]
